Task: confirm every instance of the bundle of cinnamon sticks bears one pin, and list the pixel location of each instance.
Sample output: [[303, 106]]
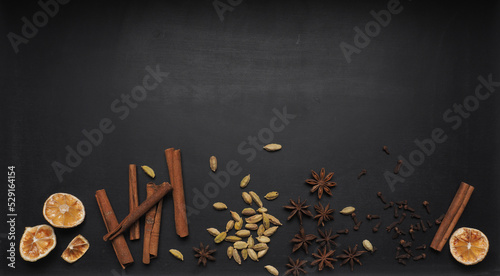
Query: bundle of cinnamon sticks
[[151, 208]]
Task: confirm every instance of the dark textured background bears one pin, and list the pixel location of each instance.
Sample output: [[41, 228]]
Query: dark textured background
[[225, 80]]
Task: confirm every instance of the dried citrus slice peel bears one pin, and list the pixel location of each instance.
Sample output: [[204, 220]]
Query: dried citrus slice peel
[[75, 250], [468, 245], [37, 242], [63, 210]]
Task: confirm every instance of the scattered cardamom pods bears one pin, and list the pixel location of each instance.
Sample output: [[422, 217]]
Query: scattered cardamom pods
[[254, 218], [243, 233], [272, 270], [274, 220], [263, 239], [238, 225], [271, 195], [250, 242], [220, 206], [272, 147], [247, 198], [252, 255], [244, 254], [251, 226], [176, 254], [213, 163], [265, 221], [232, 239], [148, 171], [220, 237], [229, 225], [261, 230], [240, 245], [212, 231], [236, 256], [269, 232], [244, 182], [261, 253], [260, 246], [256, 198], [230, 252], [368, 245], [348, 210], [262, 210], [235, 216], [248, 212]]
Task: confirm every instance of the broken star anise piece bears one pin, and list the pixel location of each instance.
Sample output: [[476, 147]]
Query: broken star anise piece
[[323, 258], [203, 254], [351, 256], [324, 213], [295, 267], [326, 238], [298, 208], [321, 183], [302, 240]]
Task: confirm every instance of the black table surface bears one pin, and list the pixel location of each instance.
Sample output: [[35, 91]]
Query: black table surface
[[226, 78]]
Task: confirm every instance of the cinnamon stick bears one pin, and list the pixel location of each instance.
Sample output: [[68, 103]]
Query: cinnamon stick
[[155, 233], [162, 190], [454, 212], [148, 224], [175, 171], [135, 232], [119, 244]]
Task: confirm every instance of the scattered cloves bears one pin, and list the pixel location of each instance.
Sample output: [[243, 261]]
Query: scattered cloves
[[396, 215], [376, 227], [406, 207], [386, 150], [413, 215], [363, 172], [439, 220], [420, 257], [398, 166], [392, 225], [403, 256], [426, 205], [398, 251], [353, 215], [370, 217], [422, 247], [411, 233], [405, 243], [379, 194], [344, 231], [401, 261], [356, 227], [403, 216], [429, 223], [389, 205], [423, 226]]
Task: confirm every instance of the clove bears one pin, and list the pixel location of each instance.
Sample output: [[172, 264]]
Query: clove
[[439, 220], [344, 231], [423, 226], [406, 207], [411, 234], [413, 215], [403, 216], [370, 217], [405, 243], [417, 227], [356, 227], [429, 223], [426, 205], [398, 250], [363, 172], [392, 225], [353, 216], [403, 256], [386, 150], [375, 228], [396, 215], [398, 166], [379, 194], [422, 247], [401, 261], [420, 257], [389, 205]]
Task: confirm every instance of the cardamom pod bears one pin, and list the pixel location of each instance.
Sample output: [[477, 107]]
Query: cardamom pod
[[272, 147], [252, 255], [247, 198], [243, 233], [272, 270], [250, 242], [240, 245], [213, 163], [220, 237], [260, 246], [265, 221], [254, 218], [263, 239], [271, 195], [269, 232], [261, 230], [261, 253], [248, 212], [212, 231], [238, 225], [244, 253], [236, 256], [274, 220], [256, 198], [244, 182], [368, 245], [148, 171], [262, 210], [229, 225], [251, 226], [219, 206], [348, 210], [232, 239], [230, 252], [235, 216], [176, 254]]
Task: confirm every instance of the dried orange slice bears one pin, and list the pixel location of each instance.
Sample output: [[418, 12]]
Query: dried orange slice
[[75, 250], [469, 246], [63, 210], [37, 242]]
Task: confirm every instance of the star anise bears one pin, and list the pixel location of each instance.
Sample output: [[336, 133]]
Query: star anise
[[321, 183], [327, 239], [324, 213], [203, 254], [323, 258], [302, 240], [351, 256], [298, 208], [295, 267]]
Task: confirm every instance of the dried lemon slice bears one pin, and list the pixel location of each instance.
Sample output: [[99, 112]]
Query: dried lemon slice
[[37, 242], [468, 245], [75, 250], [63, 210]]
